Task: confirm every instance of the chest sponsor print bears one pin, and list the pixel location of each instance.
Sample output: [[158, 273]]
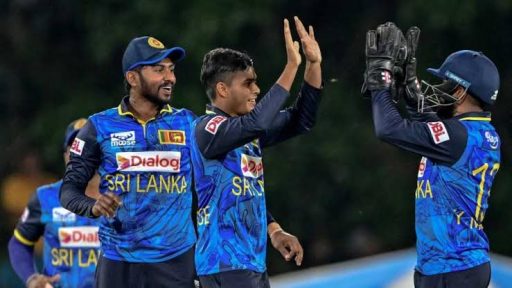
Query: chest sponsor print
[[149, 161], [79, 236], [251, 166]]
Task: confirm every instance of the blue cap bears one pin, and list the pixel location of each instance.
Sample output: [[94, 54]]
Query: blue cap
[[472, 70], [147, 50], [72, 131]]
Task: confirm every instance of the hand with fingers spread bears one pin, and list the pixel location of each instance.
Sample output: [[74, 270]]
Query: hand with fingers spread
[[106, 205], [292, 47], [311, 50], [42, 281], [287, 244], [310, 46], [293, 59]]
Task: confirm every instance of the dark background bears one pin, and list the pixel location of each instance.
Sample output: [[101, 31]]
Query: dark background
[[339, 189]]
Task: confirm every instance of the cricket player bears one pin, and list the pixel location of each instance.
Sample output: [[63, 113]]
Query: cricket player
[[227, 156], [459, 146], [71, 245]]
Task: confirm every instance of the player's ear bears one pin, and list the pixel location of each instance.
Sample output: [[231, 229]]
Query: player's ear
[[131, 78], [221, 90]]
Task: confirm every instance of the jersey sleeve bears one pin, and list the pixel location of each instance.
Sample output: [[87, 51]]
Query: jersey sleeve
[[217, 134], [29, 227], [295, 120], [85, 157], [442, 141]]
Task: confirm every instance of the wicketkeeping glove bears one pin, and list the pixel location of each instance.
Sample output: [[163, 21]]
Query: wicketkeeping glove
[[385, 47], [411, 82]]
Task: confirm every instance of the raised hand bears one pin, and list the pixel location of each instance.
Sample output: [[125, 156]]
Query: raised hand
[[383, 48], [292, 47], [310, 46]]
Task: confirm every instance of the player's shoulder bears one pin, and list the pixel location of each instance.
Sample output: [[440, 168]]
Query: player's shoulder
[[49, 188], [183, 112], [105, 114], [209, 123]]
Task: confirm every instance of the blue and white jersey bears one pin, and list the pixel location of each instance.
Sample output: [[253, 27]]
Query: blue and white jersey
[[71, 245], [148, 165], [451, 202], [229, 178], [461, 157]]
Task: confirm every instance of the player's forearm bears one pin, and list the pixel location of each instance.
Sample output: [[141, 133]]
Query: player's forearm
[[73, 198], [313, 74], [295, 120], [387, 120], [288, 76], [22, 259]]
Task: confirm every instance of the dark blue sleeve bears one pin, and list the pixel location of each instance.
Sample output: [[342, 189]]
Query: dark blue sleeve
[[80, 169], [270, 218], [216, 135], [22, 259], [31, 228], [442, 141], [425, 116], [295, 120]]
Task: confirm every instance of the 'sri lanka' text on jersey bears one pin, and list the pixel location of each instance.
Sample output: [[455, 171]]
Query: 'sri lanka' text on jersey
[[71, 243]]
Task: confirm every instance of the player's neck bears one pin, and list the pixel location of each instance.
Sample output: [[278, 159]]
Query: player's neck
[[467, 108], [142, 108]]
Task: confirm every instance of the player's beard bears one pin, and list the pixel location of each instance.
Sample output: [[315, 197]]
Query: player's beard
[[152, 94]]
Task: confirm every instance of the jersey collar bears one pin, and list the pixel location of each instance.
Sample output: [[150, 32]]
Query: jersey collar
[[474, 116], [210, 109], [123, 110]]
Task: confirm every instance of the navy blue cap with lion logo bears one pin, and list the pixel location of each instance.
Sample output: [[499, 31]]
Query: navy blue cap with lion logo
[[147, 50]]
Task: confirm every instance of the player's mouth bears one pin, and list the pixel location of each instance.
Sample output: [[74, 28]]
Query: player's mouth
[[167, 90]]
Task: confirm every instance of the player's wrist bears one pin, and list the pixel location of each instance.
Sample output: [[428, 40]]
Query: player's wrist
[[31, 279]]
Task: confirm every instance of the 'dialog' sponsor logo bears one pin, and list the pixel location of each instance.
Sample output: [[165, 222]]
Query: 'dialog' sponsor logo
[[149, 161], [80, 236], [251, 166]]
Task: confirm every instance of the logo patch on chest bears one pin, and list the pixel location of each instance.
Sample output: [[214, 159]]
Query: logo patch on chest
[[61, 214], [176, 137], [122, 139], [80, 236], [149, 161], [251, 166]]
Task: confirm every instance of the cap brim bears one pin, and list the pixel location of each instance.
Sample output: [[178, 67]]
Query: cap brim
[[176, 54], [435, 72]]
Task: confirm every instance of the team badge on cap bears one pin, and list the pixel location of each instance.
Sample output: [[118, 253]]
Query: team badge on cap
[[155, 43]]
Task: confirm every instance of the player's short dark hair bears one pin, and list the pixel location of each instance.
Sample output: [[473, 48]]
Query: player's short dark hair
[[127, 86], [219, 65]]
